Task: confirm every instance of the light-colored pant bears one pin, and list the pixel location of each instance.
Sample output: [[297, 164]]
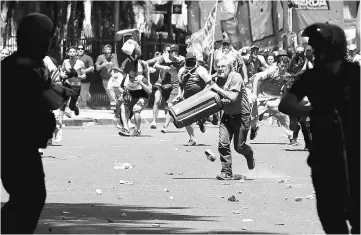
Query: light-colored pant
[[84, 93], [107, 84]]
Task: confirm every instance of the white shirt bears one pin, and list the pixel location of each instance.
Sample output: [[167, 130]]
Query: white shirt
[[49, 64]]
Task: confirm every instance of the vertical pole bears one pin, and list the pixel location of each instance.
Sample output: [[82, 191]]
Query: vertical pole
[[169, 23], [212, 46], [275, 21], [290, 19], [116, 19], [358, 18], [286, 28]]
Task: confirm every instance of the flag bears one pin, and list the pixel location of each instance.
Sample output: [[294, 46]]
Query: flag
[[202, 41]]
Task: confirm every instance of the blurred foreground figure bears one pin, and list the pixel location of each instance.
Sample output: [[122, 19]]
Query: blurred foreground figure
[[22, 171], [333, 88]]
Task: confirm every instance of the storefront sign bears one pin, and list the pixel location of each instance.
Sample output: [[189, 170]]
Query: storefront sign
[[310, 5]]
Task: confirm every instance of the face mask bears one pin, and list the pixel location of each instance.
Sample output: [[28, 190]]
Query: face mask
[[190, 63]]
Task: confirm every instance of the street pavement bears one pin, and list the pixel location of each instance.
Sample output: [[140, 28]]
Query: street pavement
[[173, 187]]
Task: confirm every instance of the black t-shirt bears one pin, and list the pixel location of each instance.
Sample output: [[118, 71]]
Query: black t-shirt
[[341, 92], [24, 111]]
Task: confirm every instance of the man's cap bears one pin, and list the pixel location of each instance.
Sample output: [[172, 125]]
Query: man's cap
[[191, 55], [226, 41], [174, 47], [352, 47], [254, 47]]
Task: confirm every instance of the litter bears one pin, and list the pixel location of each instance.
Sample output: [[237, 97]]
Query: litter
[[233, 199], [124, 166], [126, 182], [298, 199], [247, 220]]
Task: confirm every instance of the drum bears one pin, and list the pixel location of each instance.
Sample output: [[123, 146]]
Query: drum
[[199, 106]]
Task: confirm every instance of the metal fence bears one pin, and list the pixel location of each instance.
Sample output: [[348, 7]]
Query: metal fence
[[94, 48]]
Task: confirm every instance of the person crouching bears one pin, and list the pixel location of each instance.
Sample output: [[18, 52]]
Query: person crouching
[[135, 99]]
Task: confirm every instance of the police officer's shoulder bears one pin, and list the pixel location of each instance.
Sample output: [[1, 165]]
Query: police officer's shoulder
[[353, 69]]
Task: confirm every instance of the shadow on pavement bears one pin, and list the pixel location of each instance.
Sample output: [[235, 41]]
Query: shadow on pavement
[[62, 218], [197, 145], [235, 232], [269, 143], [296, 150], [178, 178], [86, 218], [175, 132]]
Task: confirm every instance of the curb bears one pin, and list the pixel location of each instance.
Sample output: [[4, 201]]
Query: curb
[[102, 121]]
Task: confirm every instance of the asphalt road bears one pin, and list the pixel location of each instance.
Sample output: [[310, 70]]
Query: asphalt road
[[174, 188]]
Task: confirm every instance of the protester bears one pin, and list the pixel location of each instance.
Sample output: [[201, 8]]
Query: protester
[[88, 71], [192, 79], [268, 97], [236, 119], [104, 65], [271, 61], [352, 55], [163, 66], [168, 86], [4, 53], [137, 87]]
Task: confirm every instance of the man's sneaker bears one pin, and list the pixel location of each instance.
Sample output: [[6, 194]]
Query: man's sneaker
[[58, 134], [136, 133], [210, 155], [124, 132], [224, 176], [191, 143], [164, 130], [294, 142], [76, 110], [202, 127], [67, 112], [254, 132], [153, 125]]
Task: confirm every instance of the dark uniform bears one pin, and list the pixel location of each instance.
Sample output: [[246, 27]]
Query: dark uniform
[[22, 172], [335, 128]]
